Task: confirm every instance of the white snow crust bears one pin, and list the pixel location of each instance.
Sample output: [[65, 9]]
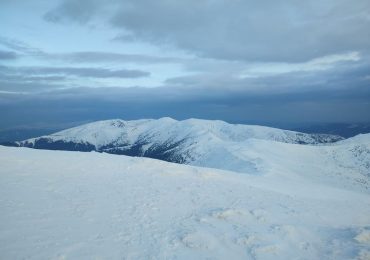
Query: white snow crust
[[292, 202]]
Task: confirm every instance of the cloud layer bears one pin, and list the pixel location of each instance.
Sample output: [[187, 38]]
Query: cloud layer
[[241, 61], [268, 30], [7, 55]]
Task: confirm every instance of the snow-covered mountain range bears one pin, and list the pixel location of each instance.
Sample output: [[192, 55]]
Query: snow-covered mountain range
[[300, 196], [193, 141]]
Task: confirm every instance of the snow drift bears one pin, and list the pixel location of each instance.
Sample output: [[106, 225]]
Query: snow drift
[[71, 205]]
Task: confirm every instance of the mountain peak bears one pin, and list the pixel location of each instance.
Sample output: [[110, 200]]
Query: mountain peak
[[193, 141]]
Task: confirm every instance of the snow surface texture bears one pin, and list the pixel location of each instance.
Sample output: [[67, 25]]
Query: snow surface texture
[[196, 142], [73, 205]]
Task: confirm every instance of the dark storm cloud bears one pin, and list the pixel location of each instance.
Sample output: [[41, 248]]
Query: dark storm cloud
[[85, 104], [96, 57], [335, 96], [36, 79], [87, 72], [7, 55], [252, 30], [24, 82], [20, 46], [83, 56], [71, 71], [29, 86], [353, 77], [80, 11], [268, 30]]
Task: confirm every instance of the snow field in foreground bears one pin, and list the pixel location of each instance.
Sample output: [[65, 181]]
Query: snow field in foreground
[[71, 205]]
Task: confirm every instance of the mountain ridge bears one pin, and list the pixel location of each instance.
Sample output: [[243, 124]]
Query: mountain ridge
[[166, 138], [206, 143]]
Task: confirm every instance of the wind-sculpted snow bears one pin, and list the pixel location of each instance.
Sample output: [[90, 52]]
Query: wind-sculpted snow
[[72, 205], [195, 142]]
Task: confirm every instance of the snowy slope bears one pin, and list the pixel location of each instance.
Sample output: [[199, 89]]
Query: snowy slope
[[345, 163], [195, 142], [71, 205]]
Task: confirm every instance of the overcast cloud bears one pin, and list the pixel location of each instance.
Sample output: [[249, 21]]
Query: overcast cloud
[[241, 61], [268, 30]]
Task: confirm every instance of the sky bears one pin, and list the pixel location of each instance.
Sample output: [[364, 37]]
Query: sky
[[262, 62]]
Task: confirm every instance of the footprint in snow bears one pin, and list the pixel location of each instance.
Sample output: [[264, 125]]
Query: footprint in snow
[[240, 215]]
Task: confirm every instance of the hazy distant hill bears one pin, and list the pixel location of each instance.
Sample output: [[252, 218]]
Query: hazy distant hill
[[345, 130]]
